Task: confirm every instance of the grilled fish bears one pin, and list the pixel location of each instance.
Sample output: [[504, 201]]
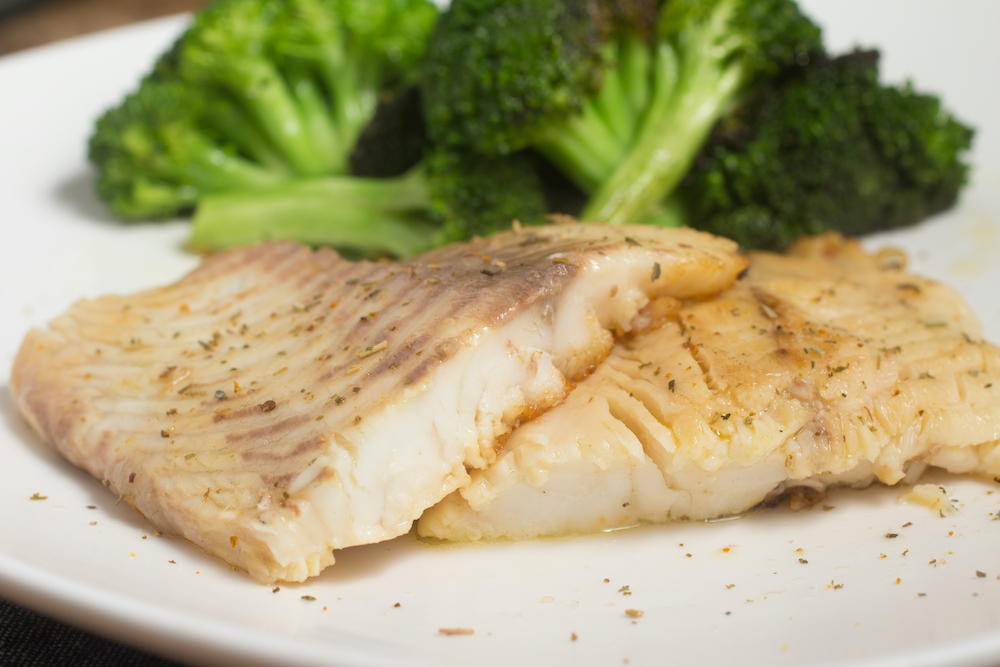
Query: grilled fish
[[828, 366], [277, 403]]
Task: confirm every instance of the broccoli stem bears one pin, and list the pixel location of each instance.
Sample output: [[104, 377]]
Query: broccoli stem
[[612, 103], [237, 127], [635, 67], [372, 216], [354, 99], [264, 93], [679, 120], [670, 213], [590, 146], [583, 147], [317, 119], [194, 159], [148, 199]]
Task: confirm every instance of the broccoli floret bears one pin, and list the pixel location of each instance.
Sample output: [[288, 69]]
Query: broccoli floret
[[831, 149], [156, 156], [256, 92], [709, 55], [477, 196], [620, 94], [446, 197], [554, 75], [307, 72]]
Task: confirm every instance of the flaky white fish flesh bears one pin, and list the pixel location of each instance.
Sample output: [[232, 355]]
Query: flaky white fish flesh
[[277, 403], [827, 366]]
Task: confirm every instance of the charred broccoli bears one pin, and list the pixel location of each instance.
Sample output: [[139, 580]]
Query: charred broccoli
[[831, 149]]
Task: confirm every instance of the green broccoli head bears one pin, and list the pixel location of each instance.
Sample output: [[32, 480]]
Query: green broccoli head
[[498, 69], [352, 52], [156, 157], [925, 144], [253, 93], [477, 196], [831, 149], [501, 76], [306, 73], [390, 34], [604, 88]]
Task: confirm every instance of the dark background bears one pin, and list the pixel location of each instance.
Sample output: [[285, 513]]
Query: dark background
[[28, 23]]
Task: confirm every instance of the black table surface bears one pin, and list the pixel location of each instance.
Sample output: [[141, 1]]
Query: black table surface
[[28, 639]]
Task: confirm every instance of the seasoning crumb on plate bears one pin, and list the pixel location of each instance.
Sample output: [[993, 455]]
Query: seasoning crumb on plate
[[456, 631]]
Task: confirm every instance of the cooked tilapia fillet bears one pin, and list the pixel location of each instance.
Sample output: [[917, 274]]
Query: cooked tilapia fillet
[[279, 403], [823, 367]]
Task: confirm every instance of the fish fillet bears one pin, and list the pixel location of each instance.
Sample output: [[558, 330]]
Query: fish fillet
[[277, 404], [828, 366]]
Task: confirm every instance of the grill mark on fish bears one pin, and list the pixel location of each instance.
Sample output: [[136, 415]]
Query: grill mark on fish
[[301, 447], [240, 413], [269, 432]]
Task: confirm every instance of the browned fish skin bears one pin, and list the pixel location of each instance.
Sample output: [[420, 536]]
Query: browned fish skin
[[278, 403], [827, 366]]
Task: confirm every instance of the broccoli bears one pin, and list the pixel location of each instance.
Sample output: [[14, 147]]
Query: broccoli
[[619, 94], [501, 76], [256, 92], [155, 157], [403, 196], [447, 197], [830, 149], [305, 119]]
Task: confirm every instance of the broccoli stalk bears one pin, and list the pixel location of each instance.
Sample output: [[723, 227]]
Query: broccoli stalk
[[447, 197], [371, 216]]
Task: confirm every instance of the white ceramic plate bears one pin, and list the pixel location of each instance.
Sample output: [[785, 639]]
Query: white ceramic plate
[[860, 599]]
